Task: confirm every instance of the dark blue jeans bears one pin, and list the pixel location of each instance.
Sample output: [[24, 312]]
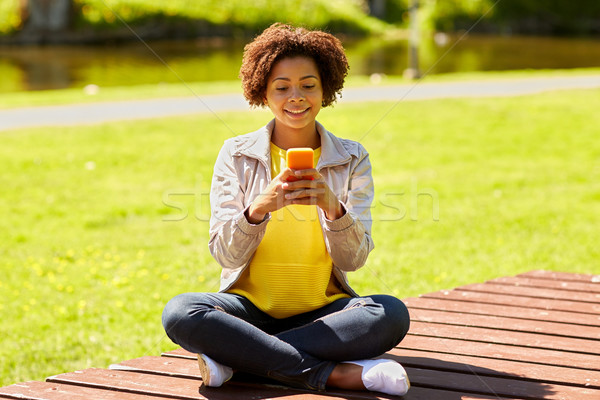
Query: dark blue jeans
[[301, 350]]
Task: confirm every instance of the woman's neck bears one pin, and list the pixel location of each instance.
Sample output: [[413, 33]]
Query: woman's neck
[[287, 138]]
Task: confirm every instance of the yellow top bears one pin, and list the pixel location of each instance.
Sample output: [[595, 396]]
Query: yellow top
[[291, 271]]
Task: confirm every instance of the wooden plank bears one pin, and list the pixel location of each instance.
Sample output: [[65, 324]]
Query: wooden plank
[[501, 352], [572, 286], [505, 323], [522, 339], [419, 393], [188, 367], [495, 367], [592, 310], [435, 356], [180, 353], [531, 336], [190, 388], [539, 293], [562, 276], [169, 366], [436, 379], [497, 386], [55, 391], [468, 307]]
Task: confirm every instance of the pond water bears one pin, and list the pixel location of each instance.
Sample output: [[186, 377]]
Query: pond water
[[56, 67]]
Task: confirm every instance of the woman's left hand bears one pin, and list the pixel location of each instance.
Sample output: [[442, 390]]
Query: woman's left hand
[[313, 192]]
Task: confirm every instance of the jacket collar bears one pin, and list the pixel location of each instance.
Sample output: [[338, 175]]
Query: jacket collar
[[258, 145]]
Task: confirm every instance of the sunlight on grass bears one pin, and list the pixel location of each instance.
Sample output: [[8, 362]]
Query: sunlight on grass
[[101, 225]]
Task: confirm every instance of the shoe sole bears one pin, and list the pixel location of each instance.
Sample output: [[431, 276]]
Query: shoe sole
[[204, 371]]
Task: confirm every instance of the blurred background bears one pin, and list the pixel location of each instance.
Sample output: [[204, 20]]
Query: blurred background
[[55, 44]]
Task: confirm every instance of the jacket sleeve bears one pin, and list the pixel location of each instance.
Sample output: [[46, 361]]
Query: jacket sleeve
[[349, 238], [233, 239]]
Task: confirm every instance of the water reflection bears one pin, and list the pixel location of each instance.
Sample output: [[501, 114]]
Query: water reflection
[[38, 68]]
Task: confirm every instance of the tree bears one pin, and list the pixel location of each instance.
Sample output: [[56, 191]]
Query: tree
[[46, 16]]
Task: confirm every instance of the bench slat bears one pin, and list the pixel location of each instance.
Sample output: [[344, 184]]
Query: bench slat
[[54, 391], [507, 386], [572, 286], [502, 352], [35, 390], [432, 349], [505, 323], [530, 292], [534, 314], [593, 310], [170, 366], [497, 386], [495, 367], [561, 276], [188, 367], [179, 353], [419, 393], [521, 339], [190, 388]]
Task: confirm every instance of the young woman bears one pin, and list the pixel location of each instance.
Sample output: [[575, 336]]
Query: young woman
[[285, 309]]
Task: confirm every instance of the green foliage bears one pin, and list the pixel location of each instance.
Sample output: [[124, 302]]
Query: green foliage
[[256, 15], [10, 18], [528, 16], [396, 11], [447, 15], [233, 17], [551, 16], [102, 224]]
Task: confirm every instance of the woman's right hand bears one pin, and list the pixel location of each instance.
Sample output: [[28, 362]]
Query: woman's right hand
[[271, 199]]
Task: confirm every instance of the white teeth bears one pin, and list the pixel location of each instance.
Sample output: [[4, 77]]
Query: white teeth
[[296, 112]]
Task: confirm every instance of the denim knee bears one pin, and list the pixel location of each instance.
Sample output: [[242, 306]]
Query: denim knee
[[395, 319], [176, 316]]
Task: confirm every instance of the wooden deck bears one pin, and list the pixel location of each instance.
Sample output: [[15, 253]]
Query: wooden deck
[[533, 336]]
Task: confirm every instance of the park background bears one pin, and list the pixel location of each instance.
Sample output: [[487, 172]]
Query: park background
[[102, 224]]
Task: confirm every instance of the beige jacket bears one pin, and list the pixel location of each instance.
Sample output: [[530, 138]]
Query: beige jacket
[[242, 171]]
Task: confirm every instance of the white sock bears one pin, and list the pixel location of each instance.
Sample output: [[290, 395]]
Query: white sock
[[213, 374], [386, 376]]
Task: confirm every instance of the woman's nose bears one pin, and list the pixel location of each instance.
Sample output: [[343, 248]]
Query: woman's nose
[[296, 94]]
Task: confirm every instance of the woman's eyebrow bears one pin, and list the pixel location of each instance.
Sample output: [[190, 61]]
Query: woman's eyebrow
[[288, 79]]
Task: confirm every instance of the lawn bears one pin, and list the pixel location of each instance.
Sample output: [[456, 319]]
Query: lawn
[[101, 225]]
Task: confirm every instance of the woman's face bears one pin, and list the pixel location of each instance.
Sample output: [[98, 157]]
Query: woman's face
[[294, 92]]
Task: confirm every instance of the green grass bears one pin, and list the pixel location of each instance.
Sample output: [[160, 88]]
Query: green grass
[[91, 253]]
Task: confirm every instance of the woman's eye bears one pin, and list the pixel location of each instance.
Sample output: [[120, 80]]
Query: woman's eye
[[309, 86], [281, 88]]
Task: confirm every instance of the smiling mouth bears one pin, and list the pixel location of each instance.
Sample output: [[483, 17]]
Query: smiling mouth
[[297, 112]]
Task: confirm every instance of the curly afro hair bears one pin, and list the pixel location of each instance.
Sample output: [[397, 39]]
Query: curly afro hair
[[280, 41]]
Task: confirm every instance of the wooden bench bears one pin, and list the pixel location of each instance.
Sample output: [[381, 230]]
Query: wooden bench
[[533, 336]]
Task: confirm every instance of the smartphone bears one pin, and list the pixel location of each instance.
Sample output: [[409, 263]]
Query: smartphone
[[299, 158]]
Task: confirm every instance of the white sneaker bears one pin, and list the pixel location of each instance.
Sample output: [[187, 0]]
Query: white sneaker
[[386, 376], [213, 374]]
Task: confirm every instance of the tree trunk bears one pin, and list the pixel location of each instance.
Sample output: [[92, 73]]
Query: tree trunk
[[377, 8], [47, 16]]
